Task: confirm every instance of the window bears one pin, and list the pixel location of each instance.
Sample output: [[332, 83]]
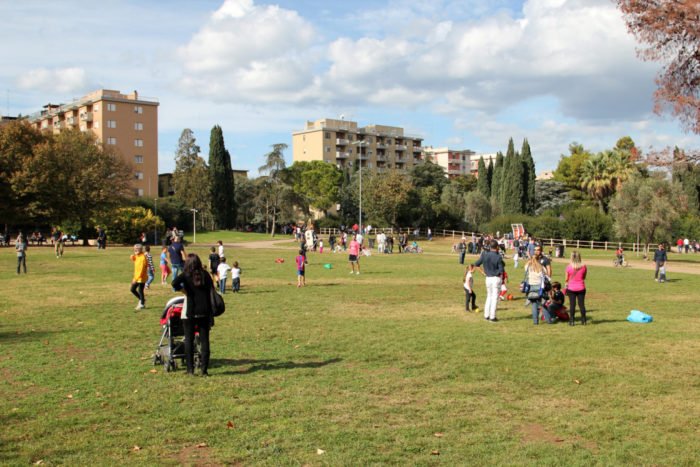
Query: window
[[96, 125], [111, 107], [328, 149], [138, 126], [96, 108], [139, 192], [139, 175], [111, 140], [138, 159], [138, 143], [328, 135], [138, 109], [111, 123]]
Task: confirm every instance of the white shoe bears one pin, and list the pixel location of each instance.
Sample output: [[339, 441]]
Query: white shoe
[[358, 273], [352, 272], [140, 306]]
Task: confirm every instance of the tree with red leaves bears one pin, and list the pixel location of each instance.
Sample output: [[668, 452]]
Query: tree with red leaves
[[671, 29]]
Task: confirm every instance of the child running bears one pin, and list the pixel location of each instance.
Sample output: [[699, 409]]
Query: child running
[[301, 269], [151, 270]]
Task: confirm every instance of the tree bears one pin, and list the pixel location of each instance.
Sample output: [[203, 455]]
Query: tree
[[477, 209], [318, 182], [386, 196], [597, 180], [647, 207], [489, 175], [428, 174], [670, 29], [497, 179], [529, 177], [191, 179], [273, 190], [570, 169], [550, 194], [18, 141], [221, 181], [687, 174], [513, 189], [72, 178], [482, 183]]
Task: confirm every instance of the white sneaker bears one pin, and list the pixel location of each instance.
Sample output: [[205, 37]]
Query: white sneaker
[[352, 272], [140, 306], [358, 273]]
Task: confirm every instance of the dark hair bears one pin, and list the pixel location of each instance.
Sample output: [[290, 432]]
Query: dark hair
[[301, 252], [556, 285], [494, 245], [193, 268]]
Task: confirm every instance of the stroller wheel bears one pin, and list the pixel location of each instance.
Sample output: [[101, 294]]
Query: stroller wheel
[[170, 366], [157, 359]]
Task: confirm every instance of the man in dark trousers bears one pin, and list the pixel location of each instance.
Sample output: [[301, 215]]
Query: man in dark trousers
[[660, 259], [491, 265]]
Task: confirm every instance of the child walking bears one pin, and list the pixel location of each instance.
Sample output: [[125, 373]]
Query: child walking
[[223, 270], [140, 275], [164, 267], [151, 270], [236, 277], [320, 246], [301, 269], [468, 282]]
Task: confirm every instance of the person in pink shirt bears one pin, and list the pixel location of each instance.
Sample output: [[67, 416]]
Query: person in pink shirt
[[576, 287], [354, 255], [301, 269]]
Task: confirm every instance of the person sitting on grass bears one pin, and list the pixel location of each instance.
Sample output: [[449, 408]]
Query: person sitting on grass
[[555, 304]]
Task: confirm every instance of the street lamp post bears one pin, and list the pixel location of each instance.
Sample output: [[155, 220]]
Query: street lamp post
[[194, 225], [360, 143], [155, 223]]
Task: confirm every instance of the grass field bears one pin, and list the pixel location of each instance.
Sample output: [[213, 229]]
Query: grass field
[[380, 368]]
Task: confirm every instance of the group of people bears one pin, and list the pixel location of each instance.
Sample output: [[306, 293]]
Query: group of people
[[220, 269], [545, 297]]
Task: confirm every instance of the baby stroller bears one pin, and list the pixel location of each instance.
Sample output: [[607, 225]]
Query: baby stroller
[[172, 341]]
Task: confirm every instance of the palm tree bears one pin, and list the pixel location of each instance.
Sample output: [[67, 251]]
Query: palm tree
[[272, 188], [597, 180]]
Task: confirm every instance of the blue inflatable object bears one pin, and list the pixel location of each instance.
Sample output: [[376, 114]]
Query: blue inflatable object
[[637, 316]]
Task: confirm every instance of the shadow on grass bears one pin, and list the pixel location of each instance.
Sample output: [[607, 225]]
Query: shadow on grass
[[21, 337], [266, 365]]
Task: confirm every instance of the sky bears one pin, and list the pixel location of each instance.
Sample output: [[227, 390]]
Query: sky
[[466, 74]]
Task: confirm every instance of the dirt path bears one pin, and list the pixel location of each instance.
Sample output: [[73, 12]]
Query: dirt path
[[671, 266]]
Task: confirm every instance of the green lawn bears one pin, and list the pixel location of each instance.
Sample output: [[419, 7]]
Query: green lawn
[[380, 368]]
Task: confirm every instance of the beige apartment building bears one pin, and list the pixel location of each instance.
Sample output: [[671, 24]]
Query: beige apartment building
[[126, 122], [458, 162], [344, 144]]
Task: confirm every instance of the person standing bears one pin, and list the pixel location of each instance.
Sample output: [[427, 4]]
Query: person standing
[[535, 274], [660, 258], [151, 270], [576, 287], [221, 249], [164, 267], [222, 271], [470, 304], [198, 313], [140, 275], [214, 261], [354, 255], [462, 247], [177, 254], [101, 238], [491, 266], [301, 269], [236, 277], [57, 237], [21, 248]]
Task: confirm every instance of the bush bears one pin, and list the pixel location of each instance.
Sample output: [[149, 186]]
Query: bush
[[545, 227], [587, 223], [124, 225], [503, 223]]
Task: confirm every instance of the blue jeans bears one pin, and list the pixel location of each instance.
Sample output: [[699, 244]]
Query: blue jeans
[[536, 304], [222, 285], [150, 278], [236, 284], [461, 257]]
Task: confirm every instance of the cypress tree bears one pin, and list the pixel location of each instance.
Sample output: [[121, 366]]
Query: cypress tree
[[529, 177], [512, 192], [497, 181], [221, 177], [482, 183]]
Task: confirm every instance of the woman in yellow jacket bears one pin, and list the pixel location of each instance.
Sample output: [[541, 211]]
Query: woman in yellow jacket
[[140, 275]]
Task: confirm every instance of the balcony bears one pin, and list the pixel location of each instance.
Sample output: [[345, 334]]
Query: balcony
[[86, 117], [58, 125], [381, 157], [400, 147], [381, 146], [72, 120], [342, 155], [363, 157], [341, 141], [417, 149]]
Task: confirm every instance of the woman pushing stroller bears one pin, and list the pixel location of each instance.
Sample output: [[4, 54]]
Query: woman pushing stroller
[[197, 314]]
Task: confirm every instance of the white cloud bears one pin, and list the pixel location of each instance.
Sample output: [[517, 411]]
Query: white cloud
[[62, 80]]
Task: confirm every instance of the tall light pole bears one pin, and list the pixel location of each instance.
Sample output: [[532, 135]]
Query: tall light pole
[[155, 224], [194, 225], [360, 143]]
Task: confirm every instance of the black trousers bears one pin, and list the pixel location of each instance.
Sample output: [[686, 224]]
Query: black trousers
[[470, 297], [137, 290], [203, 326], [22, 261], [579, 297]]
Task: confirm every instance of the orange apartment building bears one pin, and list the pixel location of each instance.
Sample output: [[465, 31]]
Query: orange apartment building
[[125, 122], [457, 162], [343, 143]]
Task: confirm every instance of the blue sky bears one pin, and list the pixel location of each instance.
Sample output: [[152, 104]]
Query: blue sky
[[466, 74]]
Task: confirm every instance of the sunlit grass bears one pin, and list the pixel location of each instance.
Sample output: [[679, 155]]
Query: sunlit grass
[[384, 367]]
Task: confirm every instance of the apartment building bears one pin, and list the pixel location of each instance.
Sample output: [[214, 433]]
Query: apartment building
[[126, 122], [343, 143], [458, 162]]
